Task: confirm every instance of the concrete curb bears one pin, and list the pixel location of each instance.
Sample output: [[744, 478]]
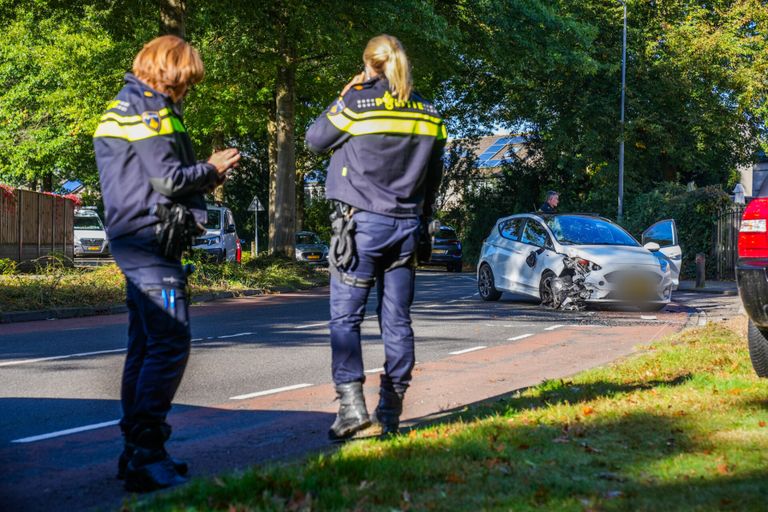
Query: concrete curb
[[710, 291], [73, 312]]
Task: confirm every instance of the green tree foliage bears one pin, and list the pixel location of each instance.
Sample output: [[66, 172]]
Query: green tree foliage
[[695, 214]]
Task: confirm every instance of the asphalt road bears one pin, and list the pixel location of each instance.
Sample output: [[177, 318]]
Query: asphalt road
[[64, 374], [59, 378]]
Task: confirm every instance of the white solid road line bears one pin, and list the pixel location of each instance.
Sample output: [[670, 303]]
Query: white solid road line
[[553, 327], [375, 370], [456, 353], [66, 432], [322, 324], [269, 391], [522, 336], [68, 356], [235, 335]]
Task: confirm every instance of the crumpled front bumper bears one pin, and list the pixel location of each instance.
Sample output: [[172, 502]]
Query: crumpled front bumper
[[617, 285]]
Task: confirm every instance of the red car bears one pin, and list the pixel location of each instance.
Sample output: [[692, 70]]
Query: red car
[[752, 279]]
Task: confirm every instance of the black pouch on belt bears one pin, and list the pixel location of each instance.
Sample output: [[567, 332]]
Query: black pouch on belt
[[342, 251], [176, 230]]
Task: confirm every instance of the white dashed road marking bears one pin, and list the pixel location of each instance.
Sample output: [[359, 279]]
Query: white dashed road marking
[[68, 356], [522, 336], [553, 327], [321, 324], [457, 352], [269, 391], [375, 370], [235, 335], [66, 432]]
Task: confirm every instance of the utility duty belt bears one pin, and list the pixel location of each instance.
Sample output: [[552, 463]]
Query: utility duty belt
[[176, 230]]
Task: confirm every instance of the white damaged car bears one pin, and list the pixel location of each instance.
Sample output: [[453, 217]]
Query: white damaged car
[[573, 260]]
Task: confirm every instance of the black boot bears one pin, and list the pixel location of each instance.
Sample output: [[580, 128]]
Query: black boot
[[352, 416], [181, 466], [389, 410], [150, 467]]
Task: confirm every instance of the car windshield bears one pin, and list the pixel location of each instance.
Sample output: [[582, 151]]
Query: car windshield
[[89, 223], [307, 239], [214, 220], [578, 230]]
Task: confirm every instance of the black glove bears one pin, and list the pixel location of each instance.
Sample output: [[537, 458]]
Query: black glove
[[176, 230]]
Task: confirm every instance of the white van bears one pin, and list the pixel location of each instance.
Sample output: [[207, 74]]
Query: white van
[[90, 237], [220, 240]]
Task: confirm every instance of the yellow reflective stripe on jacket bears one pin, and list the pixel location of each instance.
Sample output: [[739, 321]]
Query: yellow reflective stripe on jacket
[[396, 126], [130, 119], [139, 131], [389, 113]]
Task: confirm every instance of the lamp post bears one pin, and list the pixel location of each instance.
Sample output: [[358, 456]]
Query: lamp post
[[623, 88]]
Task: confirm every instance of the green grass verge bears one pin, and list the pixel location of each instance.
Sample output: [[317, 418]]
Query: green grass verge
[[57, 285], [682, 427]]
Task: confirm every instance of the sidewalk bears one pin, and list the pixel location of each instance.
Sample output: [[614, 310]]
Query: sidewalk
[[718, 287]]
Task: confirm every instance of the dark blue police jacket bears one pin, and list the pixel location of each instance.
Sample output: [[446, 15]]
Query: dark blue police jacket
[[145, 157], [387, 153]]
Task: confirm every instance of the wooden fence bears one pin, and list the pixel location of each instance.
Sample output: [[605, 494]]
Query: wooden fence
[[34, 224]]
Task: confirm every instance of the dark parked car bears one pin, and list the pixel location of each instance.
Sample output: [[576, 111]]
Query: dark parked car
[[446, 250], [752, 278]]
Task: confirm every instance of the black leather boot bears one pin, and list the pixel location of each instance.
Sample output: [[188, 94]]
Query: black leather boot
[[389, 410], [352, 416], [150, 467], [181, 466]]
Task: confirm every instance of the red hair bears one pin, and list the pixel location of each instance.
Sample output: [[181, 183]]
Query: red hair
[[170, 65]]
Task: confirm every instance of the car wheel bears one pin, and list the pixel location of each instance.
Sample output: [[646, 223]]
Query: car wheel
[[485, 284], [457, 267], [545, 288], [758, 349]]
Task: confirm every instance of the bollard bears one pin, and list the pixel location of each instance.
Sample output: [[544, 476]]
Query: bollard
[[701, 265], [253, 249]]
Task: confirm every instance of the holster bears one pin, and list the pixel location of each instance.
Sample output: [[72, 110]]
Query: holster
[[428, 229], [176, 230], [342, 252]]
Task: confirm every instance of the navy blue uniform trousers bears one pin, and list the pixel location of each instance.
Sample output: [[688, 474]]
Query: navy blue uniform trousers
[[158, 330], [380, 241]]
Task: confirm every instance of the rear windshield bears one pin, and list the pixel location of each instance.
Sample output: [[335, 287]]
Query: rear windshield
[[89, 223], [578, 230], [447, 233]]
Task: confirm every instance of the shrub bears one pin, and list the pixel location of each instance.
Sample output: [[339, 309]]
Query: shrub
[[694, 212]]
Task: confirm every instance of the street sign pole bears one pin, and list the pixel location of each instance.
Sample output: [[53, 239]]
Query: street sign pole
[[256, 207]]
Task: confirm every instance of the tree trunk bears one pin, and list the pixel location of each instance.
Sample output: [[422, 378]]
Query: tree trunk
[[283, 231], [272, 154], [172, 14]]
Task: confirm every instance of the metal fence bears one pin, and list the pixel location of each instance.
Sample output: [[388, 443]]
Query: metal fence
[[34, 225], [727, 241]]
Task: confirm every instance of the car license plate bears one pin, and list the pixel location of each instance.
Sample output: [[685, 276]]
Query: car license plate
[[93, 248], [639, 288], [439, 251], [313, 257]]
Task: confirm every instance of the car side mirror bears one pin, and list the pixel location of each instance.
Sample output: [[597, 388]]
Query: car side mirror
[[230, 229], [652, 246]]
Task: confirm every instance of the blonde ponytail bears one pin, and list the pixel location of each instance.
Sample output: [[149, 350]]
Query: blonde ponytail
[[386, 56]]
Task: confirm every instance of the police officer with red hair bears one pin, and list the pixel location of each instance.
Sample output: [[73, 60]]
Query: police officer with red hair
[[153, 188], [385, 169]]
